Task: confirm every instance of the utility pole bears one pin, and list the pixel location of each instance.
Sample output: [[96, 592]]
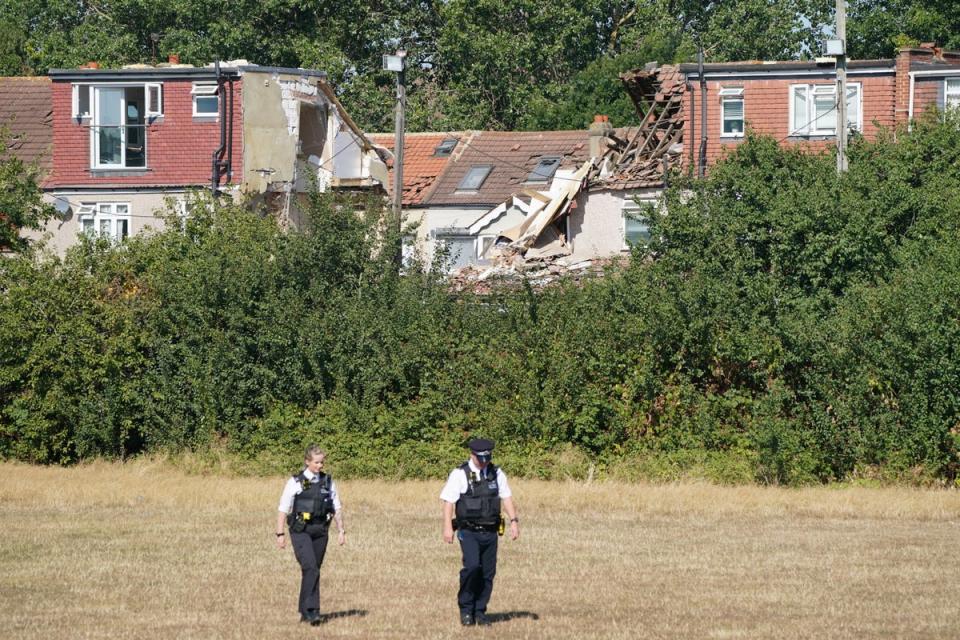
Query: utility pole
[[397, 64], [842, 87]]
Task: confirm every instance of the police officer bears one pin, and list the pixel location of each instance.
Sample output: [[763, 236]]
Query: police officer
[[474, 493], [307, 505]]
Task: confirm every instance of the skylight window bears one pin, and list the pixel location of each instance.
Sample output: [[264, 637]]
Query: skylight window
[[545, 169], [445, 148], [475, 177]]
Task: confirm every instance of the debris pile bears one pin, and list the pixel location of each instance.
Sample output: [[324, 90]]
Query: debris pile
[[644, 159], [538, 274], [536, 249]]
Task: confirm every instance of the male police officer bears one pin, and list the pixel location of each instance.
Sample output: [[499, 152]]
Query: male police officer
[[307, 504], [475, 491]]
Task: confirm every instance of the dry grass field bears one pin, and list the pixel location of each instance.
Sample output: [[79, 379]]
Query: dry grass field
[[141, 550]]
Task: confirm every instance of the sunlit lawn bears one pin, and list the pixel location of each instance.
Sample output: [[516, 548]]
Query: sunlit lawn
[[142, 551]]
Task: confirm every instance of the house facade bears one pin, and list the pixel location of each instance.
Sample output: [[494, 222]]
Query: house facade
[[127, 144], [795, 102]]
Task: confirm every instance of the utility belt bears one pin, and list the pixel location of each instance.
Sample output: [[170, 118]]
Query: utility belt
[[298, 522], [497, 527]]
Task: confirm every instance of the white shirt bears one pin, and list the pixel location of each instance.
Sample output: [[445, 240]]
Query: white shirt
[[292, 488], [457, 484]]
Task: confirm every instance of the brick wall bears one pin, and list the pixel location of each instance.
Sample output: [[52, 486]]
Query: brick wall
[[927, 94], [179, 148], [767, 111]]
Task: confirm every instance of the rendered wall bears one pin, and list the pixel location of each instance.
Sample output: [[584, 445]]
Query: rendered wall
[[61, 232]]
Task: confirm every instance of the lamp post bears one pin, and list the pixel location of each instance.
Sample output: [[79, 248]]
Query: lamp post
[[397, 64]]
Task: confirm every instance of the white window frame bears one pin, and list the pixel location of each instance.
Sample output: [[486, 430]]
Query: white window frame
[[729, 95], [812, 91], [153, 100], [951, 95], [105, 218], [76, 112], [205, 90], [631, 207], [152, 94]]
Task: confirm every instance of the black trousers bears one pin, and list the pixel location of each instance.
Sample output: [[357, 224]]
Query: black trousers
[[479, 568], [309, 547]]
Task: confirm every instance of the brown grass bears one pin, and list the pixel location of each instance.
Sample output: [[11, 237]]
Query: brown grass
[[142, 551]]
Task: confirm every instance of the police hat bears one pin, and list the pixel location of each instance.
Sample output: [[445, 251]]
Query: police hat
[[481, 447]]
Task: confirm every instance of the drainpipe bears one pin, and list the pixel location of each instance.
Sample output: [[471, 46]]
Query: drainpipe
[[701, 168], [693, 123], [230, 136], [217, 157]]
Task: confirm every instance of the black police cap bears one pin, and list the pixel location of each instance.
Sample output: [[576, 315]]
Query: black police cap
[[481, 446]]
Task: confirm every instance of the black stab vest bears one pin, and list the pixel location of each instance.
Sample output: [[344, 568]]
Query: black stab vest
[[480, 505], [316, 497]]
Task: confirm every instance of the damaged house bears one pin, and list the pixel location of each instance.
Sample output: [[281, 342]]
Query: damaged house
[[123, 141], [559, 200]]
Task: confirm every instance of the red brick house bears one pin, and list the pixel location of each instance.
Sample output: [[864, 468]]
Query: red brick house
[[795, 102], [126, 141]]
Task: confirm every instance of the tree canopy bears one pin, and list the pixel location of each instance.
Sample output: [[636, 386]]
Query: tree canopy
[[497, 64]]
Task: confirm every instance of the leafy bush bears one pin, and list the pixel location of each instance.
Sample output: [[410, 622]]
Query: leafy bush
[[785, 325]]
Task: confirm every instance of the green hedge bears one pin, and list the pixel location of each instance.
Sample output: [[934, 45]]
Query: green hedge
[[785, 325]]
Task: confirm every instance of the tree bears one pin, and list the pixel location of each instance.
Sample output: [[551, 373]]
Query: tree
[[876, 28], [21, 199]]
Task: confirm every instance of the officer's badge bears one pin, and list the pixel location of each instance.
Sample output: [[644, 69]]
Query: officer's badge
[[305, 483]]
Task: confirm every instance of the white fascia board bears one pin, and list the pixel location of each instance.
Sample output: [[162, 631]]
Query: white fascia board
[[796, 73], [494, 214]]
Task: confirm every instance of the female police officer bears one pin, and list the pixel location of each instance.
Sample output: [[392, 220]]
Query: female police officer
[[475, 491], [308, 502]]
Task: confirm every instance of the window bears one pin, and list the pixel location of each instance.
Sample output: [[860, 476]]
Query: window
[[119, 130], [545, 169], [475, 177], [206, 102], [731, 112], [483, 245], [636, 226], [105, 219], [154, 100], [951, 94], [81, 101], [813, 109], [445, 148]]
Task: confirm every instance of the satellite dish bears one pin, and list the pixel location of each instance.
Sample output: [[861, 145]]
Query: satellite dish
[[62, 205]]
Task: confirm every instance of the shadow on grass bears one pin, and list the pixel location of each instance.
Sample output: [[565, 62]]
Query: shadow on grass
[[349, 613], [512, 615]]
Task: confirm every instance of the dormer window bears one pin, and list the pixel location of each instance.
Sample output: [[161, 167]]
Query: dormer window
[[206, 102], [813, 109], [119, 127], [475, 177], [731, 112], [545, 169], [445, 148]]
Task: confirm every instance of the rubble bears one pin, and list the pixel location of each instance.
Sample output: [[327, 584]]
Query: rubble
[[646, 156], [539, 274], [536, 249]]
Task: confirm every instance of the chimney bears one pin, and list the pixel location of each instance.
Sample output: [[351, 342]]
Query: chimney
[[600, 129], [906, 57], [90, 65], [173, 58]]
